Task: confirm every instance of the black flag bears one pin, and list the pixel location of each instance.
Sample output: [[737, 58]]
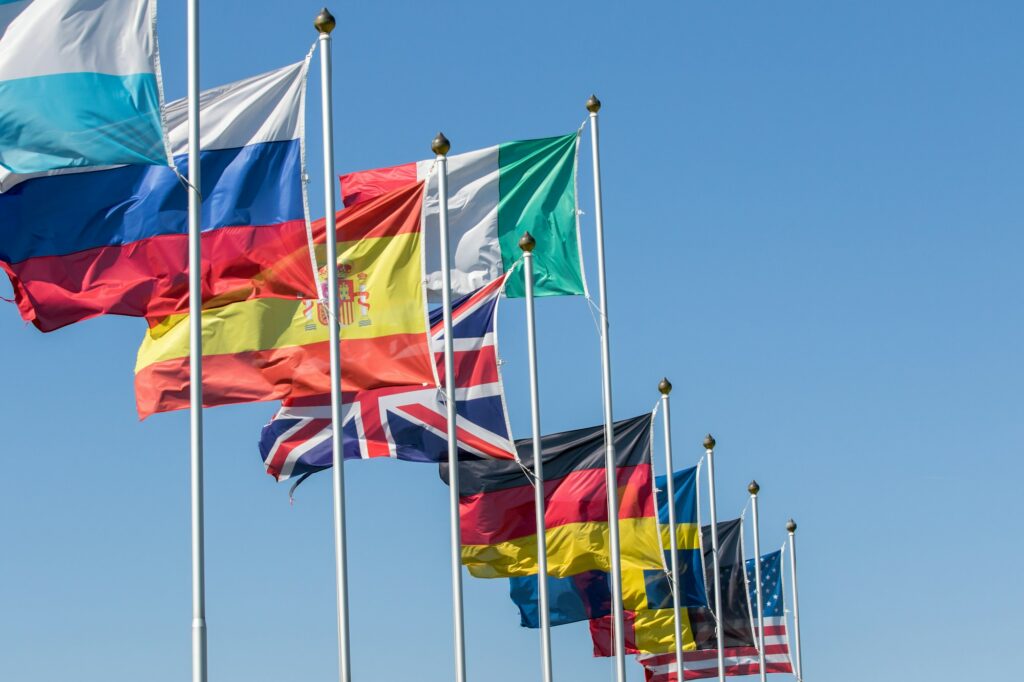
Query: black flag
[[735, 599]]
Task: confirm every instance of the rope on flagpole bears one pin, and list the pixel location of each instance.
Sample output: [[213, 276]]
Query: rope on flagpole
[[304, 172], [657, 517], [186, 183], [595, 310]]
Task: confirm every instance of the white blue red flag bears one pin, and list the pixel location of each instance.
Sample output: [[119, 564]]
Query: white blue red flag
[[406, 422]]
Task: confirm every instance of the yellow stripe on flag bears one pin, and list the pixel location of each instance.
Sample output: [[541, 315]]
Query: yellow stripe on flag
[[687, 536], [381, 295], [572, 548], [654, 631]]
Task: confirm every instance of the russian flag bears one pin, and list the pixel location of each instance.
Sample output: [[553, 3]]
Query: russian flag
[[78, 243]]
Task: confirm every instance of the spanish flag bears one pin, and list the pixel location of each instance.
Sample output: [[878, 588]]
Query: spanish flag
[[496, 505], [274, 349]]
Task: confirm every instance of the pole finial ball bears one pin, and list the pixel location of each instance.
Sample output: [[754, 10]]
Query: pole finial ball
[[709, 442], [665, 386], [324, 22], [440, 145], [791, 526], [753, 488], [527, 242], [593, 104]]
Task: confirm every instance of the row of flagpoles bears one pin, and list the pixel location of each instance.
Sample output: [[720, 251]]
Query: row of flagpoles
[[325, 23], [527, 243]]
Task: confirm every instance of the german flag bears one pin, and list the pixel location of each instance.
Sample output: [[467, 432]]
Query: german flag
[[496, 505], [273, 349]]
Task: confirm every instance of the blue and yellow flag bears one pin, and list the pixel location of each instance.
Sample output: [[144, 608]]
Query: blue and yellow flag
[[646, 593]]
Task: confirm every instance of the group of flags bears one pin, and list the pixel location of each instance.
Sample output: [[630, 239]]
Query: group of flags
[[740, 657], [115, 243], [495, 507]]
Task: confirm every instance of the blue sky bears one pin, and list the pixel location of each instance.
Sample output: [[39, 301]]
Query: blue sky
[[813, 228]]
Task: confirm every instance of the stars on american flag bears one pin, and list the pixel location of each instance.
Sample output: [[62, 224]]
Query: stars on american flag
[[771, 585]]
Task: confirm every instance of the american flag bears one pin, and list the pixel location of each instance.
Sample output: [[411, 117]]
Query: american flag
[[406, 422], [738, 660]]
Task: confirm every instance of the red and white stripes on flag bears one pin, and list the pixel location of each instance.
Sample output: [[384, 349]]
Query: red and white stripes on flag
[[738, 660]]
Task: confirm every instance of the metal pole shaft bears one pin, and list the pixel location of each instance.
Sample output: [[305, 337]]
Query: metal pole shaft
[[796, 600], [673, 540], [757, 577], [611, 474], [337, 452], [538, 468], [717, 579], [453, 450], [195, 309]]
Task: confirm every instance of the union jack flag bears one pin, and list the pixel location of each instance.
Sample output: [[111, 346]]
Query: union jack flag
[[406, 422]]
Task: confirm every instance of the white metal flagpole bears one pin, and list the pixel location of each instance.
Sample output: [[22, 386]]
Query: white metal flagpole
[[441, 146], [324, 24], [195, 310], [527, 244], [709, 447], [753, 489], [791, 529], [611, 475], [665, 387]]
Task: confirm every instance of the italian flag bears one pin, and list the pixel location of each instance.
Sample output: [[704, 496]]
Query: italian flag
[[494, 196]]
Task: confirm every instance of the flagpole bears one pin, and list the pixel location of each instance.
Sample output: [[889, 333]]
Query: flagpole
[[195, 310], [709, 447], [611, 475], [665, 387], [440, 146], [527, 244], [791, 529], [324, 24], [753, 489]]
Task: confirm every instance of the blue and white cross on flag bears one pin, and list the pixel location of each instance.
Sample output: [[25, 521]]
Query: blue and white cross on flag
[[406, 422], [79, 84]]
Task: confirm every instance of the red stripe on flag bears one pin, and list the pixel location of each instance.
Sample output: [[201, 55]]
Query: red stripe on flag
[[424, 414], [733, 669], [603, 638], [472, 367], [365, 185], [387, 215], [374, 434], [296, 439], [148, 278], [279, 373], [503, 515]]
